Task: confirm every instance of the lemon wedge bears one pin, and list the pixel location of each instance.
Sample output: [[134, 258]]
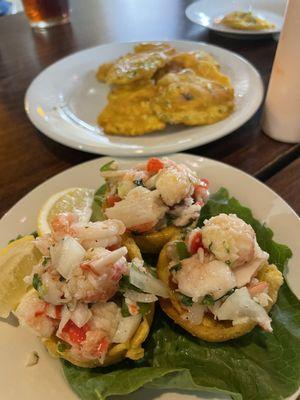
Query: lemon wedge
[[16, 261], [76, 200]]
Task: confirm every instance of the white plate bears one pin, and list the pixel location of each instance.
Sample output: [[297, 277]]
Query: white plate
[[64, 100], [207, 13], [46, 380]]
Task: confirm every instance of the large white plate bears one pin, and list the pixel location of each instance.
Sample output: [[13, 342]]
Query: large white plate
[[64, 100], [45, 381], [207, 13]]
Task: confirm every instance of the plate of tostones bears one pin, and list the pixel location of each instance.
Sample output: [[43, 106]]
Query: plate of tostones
[[125, 99], [252, 19]]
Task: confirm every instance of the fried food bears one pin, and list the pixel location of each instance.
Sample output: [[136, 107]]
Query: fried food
[[165, 47], [202, 63], [142, 64], [187, 98], [128, 111], [103, 71], [242, 20]]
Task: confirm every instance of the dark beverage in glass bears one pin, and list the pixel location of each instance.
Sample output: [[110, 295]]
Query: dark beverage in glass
[[46, 13]]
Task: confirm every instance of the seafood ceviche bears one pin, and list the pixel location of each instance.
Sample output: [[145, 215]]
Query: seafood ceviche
[[219, 273], [153, 194], [90, 296], [87, 297]]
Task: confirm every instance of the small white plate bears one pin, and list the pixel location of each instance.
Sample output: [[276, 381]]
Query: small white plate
[[65, 99], [45, 380], [207, 13]]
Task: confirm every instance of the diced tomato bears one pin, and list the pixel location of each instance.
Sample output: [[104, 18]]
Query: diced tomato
[[102, 347], [154, 165], [58, 311], [200, 203], [74, 333], [196, 243], [112, 199], [133, 309], [204, 183], [41, 311]]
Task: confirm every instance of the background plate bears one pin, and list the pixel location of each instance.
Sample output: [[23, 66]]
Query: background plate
[[207, 13], [64, 100], [45, 380]]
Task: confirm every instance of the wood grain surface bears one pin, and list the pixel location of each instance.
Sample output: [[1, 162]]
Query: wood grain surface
[[27, 157]]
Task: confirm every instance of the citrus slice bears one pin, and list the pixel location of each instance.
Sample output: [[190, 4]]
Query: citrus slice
[[16, 261], [75, 200]]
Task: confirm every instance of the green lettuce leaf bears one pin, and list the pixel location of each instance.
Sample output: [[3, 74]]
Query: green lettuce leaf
[[258, 366]]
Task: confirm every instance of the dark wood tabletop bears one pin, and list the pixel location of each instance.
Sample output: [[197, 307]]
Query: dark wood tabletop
[[27, 157]]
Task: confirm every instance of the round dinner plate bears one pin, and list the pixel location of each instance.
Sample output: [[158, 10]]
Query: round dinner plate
[[65, 99], [45, 380], [208, 14]]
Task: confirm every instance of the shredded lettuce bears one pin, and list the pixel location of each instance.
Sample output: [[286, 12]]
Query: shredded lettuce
[[258, 366]]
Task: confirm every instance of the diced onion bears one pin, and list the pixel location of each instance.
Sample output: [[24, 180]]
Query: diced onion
[[147, 283], [65, 316], [140, 297], [81, 315], [126, 328], [67, 255]]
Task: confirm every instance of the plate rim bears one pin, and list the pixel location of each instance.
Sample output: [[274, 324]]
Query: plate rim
[[146, 151], [229, 31]]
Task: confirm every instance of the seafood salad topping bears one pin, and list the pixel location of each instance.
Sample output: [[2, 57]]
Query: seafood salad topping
[[215, 271], [86, 294], [152, 195]]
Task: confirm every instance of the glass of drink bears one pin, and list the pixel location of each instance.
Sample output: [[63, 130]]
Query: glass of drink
[[45, 13]]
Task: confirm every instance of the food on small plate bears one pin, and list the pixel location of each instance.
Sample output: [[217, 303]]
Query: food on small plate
[[129, 110], [205, 101], [155, 199], [138, 102], [245, 20], [90, 297], [220, 283], [142, 64]]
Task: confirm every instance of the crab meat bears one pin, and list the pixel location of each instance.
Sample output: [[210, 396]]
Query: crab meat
[[230, 239], [140, 206], [197, 280], [240, 308]]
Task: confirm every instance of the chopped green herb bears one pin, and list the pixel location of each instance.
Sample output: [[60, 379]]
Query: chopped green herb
[[210, 246], [125, 284], [45, 261], [176, 267], [186, 300], [62, 346], [226, 247], [37, 282], [35, 234], [228, 262], [124, 309], [139, 182], [144, 308], [208, 300], [182, 250], [102, 190], [152, 271], [107, 166], [99, 198], [62, 279]]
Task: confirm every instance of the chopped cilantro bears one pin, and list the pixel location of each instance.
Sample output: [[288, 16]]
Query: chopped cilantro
[[208, 300], [186, 300], [37, 282], [228, 262], [62, 279], [107, 166], [176, 267], [182, 250], [17, 238], [45, 261], [34, 234], [124, 309]]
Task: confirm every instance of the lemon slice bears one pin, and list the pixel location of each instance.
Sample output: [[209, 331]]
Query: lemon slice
[[76, 200], [16, 261]]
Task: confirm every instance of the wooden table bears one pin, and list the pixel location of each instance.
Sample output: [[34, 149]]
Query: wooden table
[[27, 157]]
